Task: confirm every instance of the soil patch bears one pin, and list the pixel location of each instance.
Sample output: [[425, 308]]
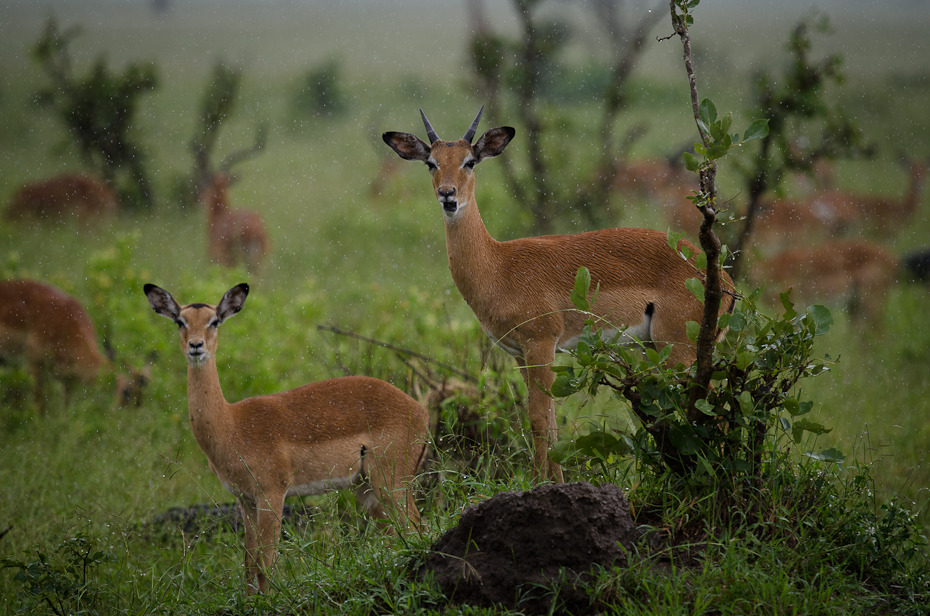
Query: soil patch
[[505, 549]]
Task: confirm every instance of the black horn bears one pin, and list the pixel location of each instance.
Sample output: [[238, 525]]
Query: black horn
[[430, 133], [470, 133]]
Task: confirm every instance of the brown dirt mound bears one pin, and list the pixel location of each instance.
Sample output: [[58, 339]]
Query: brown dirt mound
[[504, 548]]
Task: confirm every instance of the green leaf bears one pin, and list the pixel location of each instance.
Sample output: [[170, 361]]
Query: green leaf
[[701, 261], [822, 318], [787, 304], [693, 330], [737, 321], [757, 130], [579, 294], [674, 238], [726, 121], [564, 385], [665, 353], [691, 161], [696, 287], [744, 359], [707, 111], [745, 402], [716, 150], [807, 425], [683, 438], [652, 356], [827, 455], [705, 407]]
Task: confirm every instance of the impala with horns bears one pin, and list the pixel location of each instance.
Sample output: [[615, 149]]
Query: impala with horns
[[520, 289], [347, 431]]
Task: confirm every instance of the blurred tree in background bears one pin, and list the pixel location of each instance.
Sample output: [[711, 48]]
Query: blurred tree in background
[[98, 109], [521, 76], [216, 106]]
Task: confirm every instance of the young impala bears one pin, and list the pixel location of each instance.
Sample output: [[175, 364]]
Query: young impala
[[520, 289], [348, 431]]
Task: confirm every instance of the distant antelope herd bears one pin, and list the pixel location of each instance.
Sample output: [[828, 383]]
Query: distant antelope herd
[[363, 433]]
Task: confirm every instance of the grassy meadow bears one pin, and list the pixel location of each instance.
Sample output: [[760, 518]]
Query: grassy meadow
[[359, 245]]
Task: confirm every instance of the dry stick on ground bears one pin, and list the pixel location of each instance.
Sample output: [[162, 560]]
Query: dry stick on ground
[[710, 244]]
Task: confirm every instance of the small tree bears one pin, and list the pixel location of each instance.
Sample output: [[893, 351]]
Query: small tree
[[795, 104], [98, 109], [525, 68], [712, 422], [320, 92], [216, 106]]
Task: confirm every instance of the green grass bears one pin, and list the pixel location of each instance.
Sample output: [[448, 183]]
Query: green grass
[[377, 265]]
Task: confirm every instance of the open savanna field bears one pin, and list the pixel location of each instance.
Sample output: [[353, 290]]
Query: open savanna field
[[357, 243]]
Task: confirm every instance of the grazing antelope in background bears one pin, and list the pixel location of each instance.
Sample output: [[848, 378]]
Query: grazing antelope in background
[[348, 431], [872, 214], [832, 213], [62, 197], [520, 289], [234, 235], [56, 335], [857, 272]]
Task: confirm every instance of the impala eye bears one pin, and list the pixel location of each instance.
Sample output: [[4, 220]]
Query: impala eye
[[431, 166], [214, 322], [470, 164]]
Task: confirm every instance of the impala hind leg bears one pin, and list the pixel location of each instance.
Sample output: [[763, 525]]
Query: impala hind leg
[[387, 485], [539, 377]]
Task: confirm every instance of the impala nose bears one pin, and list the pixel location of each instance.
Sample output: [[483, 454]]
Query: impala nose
[[195, 348], [447, 199]]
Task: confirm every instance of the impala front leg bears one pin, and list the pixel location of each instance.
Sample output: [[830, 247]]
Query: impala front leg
[[539, 377], [270, 512], [253, 575]]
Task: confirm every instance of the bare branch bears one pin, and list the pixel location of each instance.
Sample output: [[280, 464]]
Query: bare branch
[[398, 349]]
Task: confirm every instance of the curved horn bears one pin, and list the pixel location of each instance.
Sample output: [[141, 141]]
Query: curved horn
[[470, 133], [430, 133]]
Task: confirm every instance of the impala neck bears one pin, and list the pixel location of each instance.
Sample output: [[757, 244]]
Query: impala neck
[[218, 205], [472, 251], [206, 404]]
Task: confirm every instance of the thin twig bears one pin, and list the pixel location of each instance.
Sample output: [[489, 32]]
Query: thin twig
[[398, 349]]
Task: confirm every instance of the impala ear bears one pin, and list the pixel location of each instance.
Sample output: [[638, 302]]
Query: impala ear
[[232, 302], [407, 146], [162, 302], [493, 142]]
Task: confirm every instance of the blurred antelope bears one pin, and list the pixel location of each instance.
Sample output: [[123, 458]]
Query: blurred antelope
[[882, 215], [53, 331], [657, 178], [856, 272], [831, 213], [70, 195], [234, 235], [520, 289], [349, 431]]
